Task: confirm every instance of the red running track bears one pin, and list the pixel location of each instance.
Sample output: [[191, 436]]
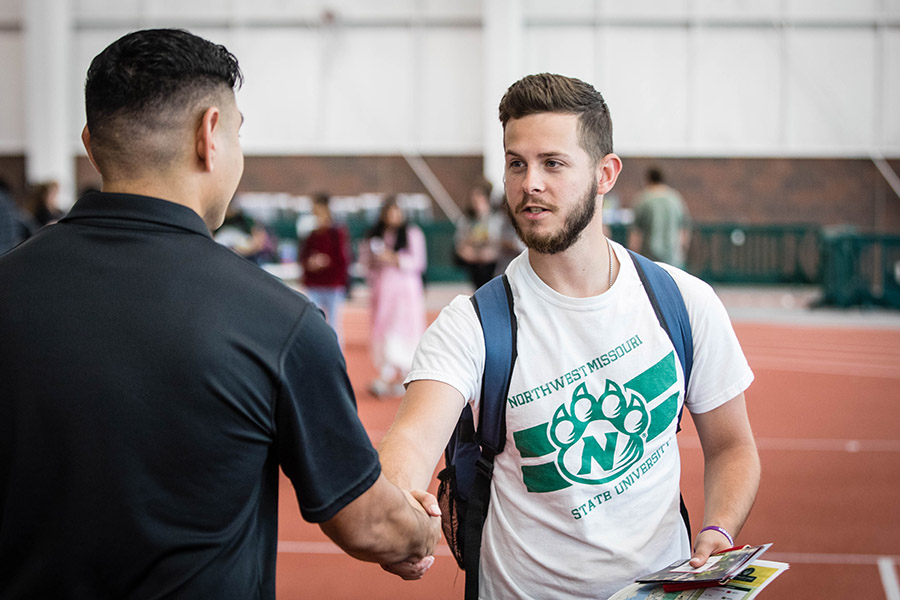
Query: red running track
[[824, 407]]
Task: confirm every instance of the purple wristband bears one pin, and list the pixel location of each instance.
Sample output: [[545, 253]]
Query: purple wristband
[[720, 530]]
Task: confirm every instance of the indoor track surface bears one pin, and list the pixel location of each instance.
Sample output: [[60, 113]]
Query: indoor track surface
[[824, 407]]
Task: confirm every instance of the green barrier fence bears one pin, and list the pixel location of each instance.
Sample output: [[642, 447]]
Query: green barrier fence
[[439, 239], [719, 253], [852, 268], [860, 269], [757, 254]]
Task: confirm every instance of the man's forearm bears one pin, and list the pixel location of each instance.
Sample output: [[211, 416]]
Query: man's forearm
[[402, 464], [731, 481], [412, 447], [384, 525], [731, 475]]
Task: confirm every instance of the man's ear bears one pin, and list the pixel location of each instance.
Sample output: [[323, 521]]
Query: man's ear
[[608, 170], [86, 141], [206, 137]]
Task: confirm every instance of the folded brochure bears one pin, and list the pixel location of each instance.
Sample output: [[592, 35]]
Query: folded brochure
[[719, 568], [745, 586]]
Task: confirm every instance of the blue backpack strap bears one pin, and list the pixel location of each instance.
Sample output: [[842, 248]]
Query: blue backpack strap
[[671, 312], [494, 306], [668, 304]]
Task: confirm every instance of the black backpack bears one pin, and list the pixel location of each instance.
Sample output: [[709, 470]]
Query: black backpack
[[465, 482]]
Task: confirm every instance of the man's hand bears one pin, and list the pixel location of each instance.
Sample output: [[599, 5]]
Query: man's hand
[[318, 261], [466, 252], [411, 570], [708, 543]]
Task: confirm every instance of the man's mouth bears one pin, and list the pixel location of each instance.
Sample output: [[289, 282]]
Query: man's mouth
[[534, 209]]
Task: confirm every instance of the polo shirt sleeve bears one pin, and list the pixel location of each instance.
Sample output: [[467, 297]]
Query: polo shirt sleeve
[[321, 443]]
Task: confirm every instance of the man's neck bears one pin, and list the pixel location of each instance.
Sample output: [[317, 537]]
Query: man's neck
[[157, 189], [583, 269]]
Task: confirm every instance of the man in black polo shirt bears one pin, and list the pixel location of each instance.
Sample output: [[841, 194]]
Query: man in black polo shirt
[[152, 381]]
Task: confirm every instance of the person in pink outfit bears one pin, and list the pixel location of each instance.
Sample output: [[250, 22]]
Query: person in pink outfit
[[393, 253]]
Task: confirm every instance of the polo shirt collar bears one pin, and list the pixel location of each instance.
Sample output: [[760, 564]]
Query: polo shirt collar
[[136, 209]]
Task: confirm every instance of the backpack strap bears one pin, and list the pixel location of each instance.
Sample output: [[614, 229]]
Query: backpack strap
[[668, 304], [494, 306]]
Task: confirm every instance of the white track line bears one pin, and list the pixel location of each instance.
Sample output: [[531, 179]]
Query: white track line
[[886, 564], [807, 558], [821, 558], [795, 365], [814, 445], [889, 578], [297, 547]]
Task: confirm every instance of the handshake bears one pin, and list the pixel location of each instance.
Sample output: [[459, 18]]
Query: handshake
[[415, 566], [395, 528]]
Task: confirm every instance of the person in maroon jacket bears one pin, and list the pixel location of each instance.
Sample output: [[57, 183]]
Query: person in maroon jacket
[[325, 261]]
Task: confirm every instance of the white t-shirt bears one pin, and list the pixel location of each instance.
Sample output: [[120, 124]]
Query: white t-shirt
[[585, 496]]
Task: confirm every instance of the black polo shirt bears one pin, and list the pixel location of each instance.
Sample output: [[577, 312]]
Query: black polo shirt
[[151, 383]]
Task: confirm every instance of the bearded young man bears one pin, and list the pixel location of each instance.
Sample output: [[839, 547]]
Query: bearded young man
[[584, 532], [152, 382]]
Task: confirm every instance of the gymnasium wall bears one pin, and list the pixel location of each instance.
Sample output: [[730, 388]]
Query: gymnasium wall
[[825, 191], [763, 111]]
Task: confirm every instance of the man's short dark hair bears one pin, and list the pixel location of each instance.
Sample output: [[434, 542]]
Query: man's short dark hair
[[148, 82], [547, 92], [654, 175]]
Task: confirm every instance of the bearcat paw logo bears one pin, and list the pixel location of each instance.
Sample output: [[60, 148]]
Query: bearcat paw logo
[[599, 438]]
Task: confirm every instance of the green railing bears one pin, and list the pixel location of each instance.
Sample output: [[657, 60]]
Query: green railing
[[852, 268], [439, 239], [758, 254], [860, 269], [719, 253]]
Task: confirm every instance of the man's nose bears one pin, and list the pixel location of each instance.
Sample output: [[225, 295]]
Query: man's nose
[[533, 181]]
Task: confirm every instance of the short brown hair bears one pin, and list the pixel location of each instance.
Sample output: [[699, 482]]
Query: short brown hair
[[548, 92]]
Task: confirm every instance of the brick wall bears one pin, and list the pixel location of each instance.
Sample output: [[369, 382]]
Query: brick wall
[[746, 190], [752, 190]]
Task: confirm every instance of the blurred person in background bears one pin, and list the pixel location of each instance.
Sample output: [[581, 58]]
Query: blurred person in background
[[13, 223], [153, 383], [42, 203], [245, 236], [661, 228], [510, 245], [394, 256], [478, 235], [325, 261]]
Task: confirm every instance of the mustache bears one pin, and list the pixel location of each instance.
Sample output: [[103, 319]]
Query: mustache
[[532, 201]]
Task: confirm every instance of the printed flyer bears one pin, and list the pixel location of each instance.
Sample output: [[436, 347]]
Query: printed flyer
[[743, 586]]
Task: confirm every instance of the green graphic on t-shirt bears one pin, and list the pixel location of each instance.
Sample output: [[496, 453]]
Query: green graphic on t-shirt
[[594, 439]]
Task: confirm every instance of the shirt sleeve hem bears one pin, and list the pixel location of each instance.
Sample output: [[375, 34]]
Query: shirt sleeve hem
[[455, 382], [325, 513], [722, 397]]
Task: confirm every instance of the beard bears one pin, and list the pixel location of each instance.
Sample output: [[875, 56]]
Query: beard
[[575, 222]]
